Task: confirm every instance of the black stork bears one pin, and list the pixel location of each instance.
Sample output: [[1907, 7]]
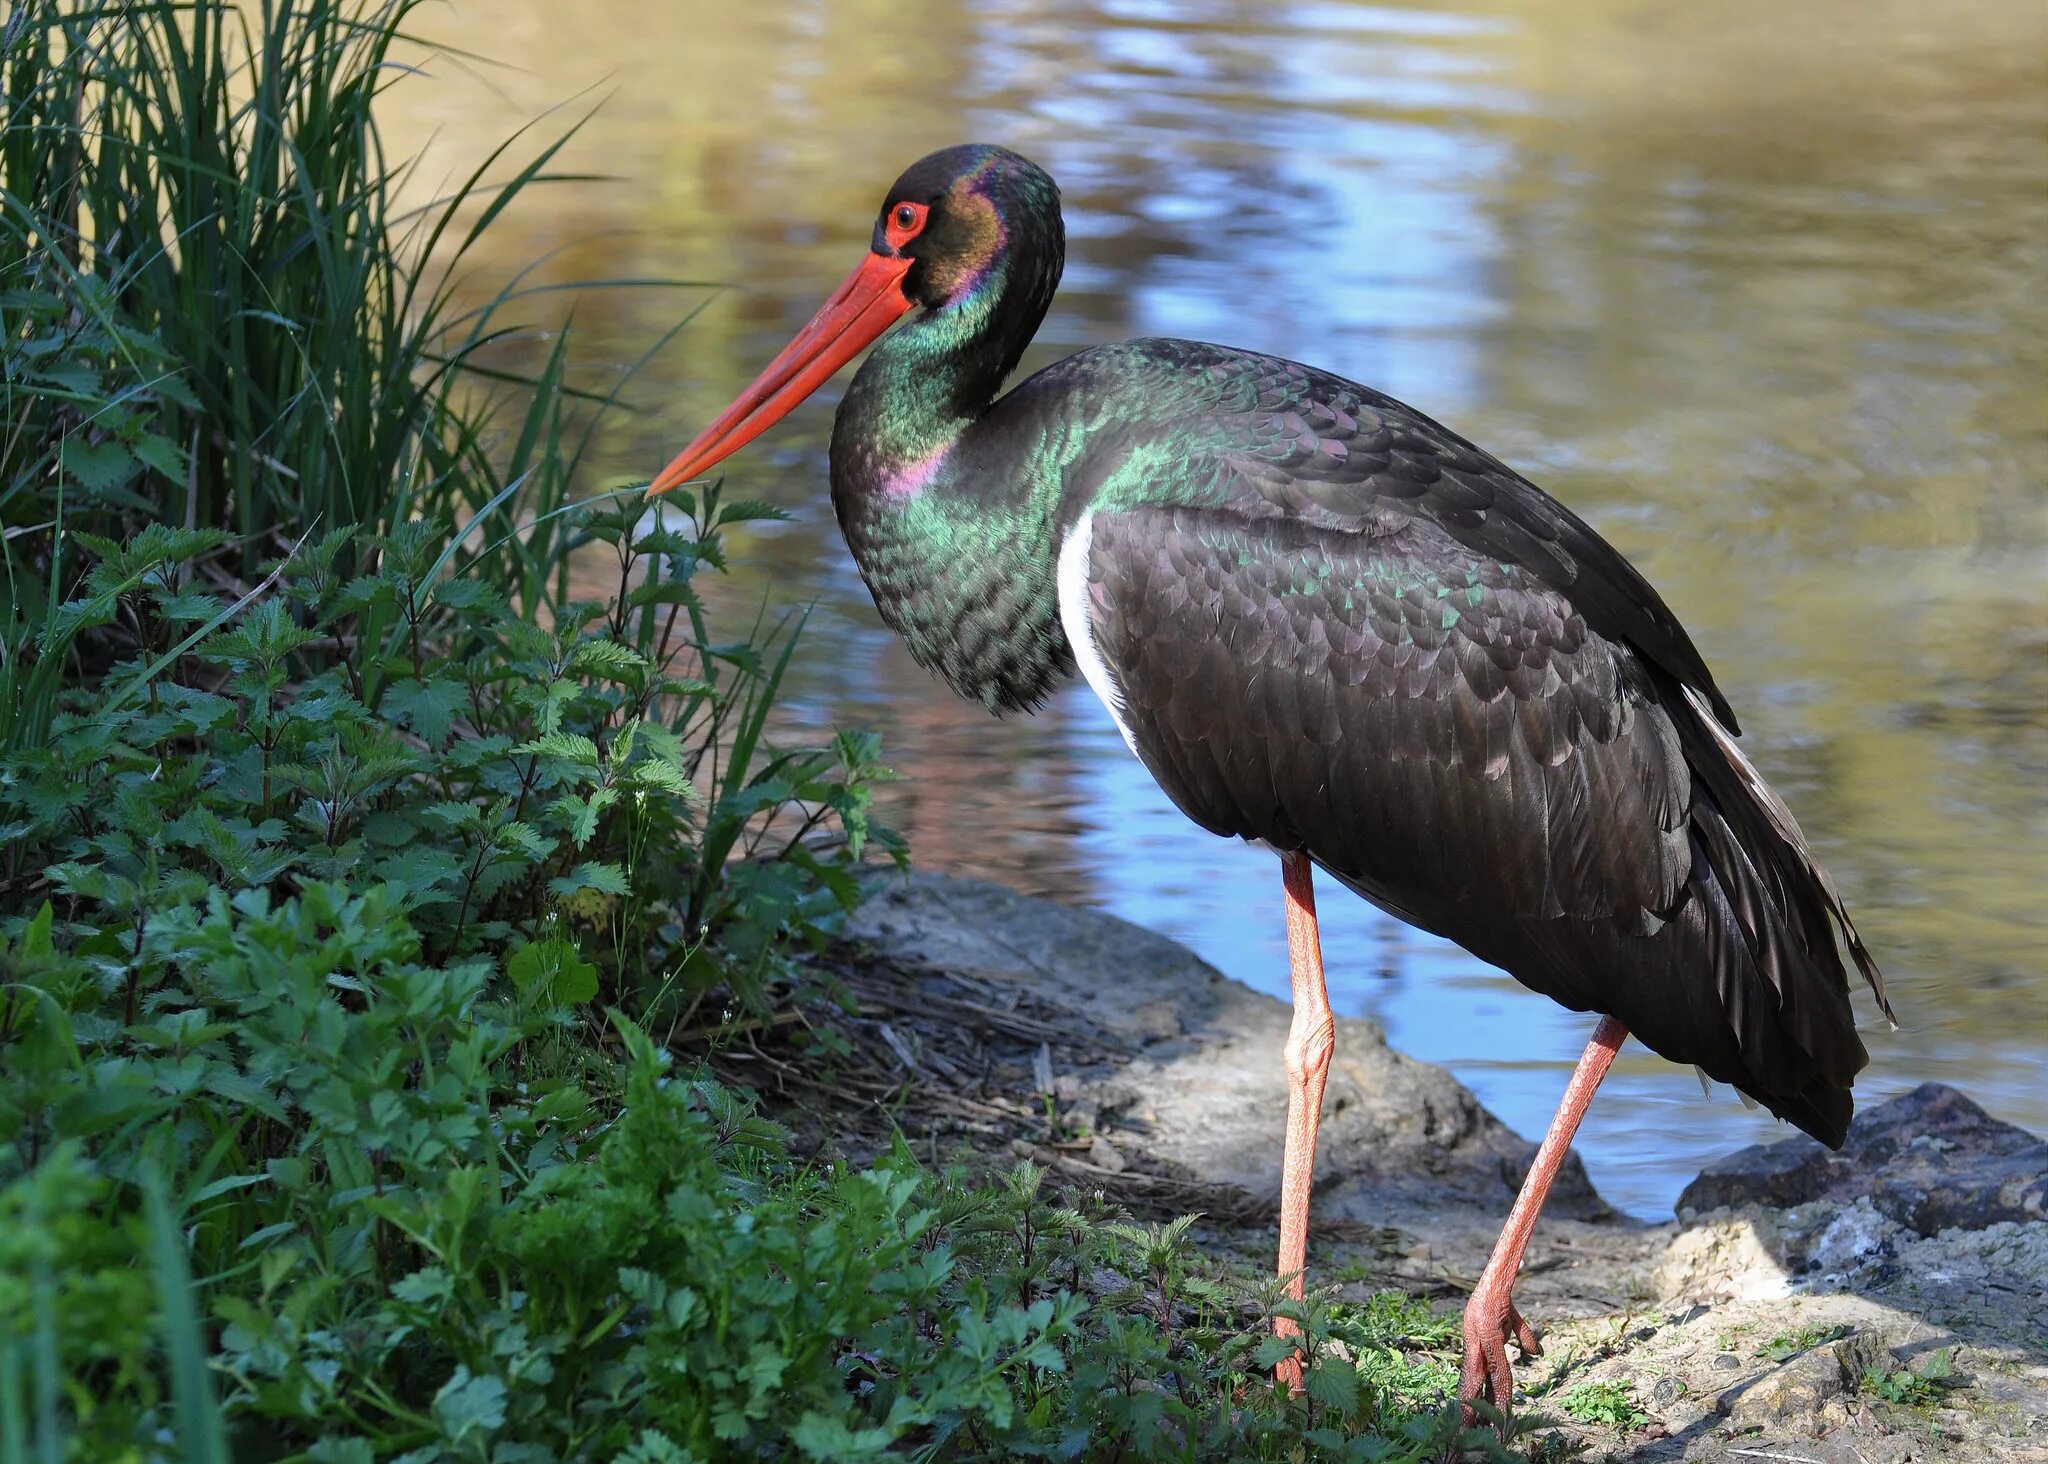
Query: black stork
[[1329, 625]]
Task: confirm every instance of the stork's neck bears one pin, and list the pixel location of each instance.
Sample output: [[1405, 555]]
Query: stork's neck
[[918, 390], [952, 527], [936, 375]]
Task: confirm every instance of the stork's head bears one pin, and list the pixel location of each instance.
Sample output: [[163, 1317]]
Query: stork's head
[[952, 237]]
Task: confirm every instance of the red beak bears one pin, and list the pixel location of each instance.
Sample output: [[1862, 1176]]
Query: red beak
[[867, 302]]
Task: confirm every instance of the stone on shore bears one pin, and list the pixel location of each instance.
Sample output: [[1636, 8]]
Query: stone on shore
[[1929, 1160], [1887, 1305], [1204, 1087]]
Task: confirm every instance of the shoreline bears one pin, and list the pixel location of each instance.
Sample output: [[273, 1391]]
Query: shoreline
[[1793, 1299]]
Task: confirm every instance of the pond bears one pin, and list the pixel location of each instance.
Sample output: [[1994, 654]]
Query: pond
[[1761, 290]]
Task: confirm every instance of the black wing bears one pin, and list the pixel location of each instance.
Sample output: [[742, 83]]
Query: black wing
[[1455, 736]]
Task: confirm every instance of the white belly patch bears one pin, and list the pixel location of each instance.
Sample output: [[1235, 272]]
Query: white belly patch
[[1073, 588]]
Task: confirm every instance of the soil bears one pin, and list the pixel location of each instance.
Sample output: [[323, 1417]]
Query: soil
[[1884, 1305]]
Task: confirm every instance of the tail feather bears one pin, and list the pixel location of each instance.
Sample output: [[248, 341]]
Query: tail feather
[[1772, 914], [1787, 1005], [1763, 798]]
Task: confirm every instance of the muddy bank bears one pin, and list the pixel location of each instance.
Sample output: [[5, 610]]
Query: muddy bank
[[1885, 1305]]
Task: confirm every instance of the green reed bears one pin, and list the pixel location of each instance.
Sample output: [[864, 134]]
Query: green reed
[[216, 313]]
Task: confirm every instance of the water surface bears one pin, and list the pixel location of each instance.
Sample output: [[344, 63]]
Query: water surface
[[1757, 288]]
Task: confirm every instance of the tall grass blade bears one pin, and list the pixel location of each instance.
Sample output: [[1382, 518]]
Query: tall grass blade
[[49, 1365], [202, 191], [202, 1439], [13, 1409]]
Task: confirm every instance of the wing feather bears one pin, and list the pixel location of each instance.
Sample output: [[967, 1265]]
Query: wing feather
[[1282, 439], [1448, 735], [1479, 729]]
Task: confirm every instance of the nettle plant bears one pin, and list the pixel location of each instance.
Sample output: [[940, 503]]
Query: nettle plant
[[593, 803], [417, 1241], [316, 1143]]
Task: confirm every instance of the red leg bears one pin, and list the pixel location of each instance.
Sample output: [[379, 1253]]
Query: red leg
[[1490, 1316], [1310, 1041]]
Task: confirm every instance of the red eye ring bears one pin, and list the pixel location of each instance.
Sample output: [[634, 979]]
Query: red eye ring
[[906, 222]]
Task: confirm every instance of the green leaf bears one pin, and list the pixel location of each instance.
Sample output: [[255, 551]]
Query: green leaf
[[1333, 1383], [470, 1405], [422, 871], [582, 814], [188, 607], [659, 777], [608, 660], [664, 592], [563, 747], [552, 971], [743, 510], [466, 594], [428, 1286], [333, 1450], [666, 541], [655, 1447], [525, 838], [35, 936], [161, 453], [605, 878], [172, 388], [99, 466], [427, 707], [826, 1438], [1272, 1351]]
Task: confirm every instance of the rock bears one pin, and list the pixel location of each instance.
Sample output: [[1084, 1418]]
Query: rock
[[1930, 1160], [1856, 1234], [1729, 1260], [1797, 1392], [1103, 1155], [1400, 1138]]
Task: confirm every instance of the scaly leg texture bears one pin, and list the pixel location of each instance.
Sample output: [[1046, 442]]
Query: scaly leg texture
[[1490, 1316], [1310, 1040]]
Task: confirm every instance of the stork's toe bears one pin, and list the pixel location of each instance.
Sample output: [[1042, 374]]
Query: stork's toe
[[1491, 1320]]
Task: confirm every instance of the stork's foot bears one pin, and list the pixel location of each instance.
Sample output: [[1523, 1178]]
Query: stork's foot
[[1490, 1321]]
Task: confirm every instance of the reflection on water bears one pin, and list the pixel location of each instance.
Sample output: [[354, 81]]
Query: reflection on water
[[1757, 288]]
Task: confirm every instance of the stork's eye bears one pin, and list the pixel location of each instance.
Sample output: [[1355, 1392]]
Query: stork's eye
[[906, 221]]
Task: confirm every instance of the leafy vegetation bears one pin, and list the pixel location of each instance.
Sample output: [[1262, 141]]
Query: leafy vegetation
[[320, 918], [1788, 1345], [427, 1234], [356, 879], [526, 794], [1611, 1404], [1405, 1352], [1919, 1386]]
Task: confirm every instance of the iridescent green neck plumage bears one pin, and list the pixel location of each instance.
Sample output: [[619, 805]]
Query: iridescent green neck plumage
[[923, 384], [918, 390]]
